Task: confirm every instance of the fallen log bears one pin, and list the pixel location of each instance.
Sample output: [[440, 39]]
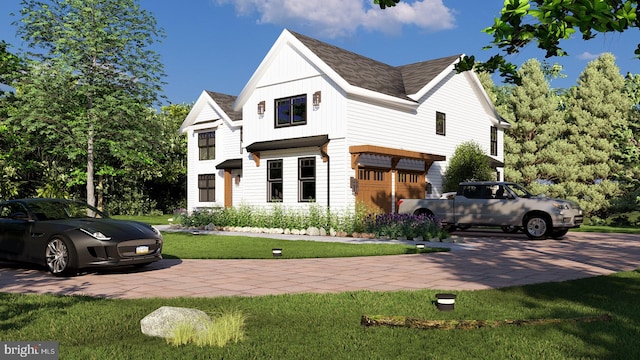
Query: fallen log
[[413, 323]]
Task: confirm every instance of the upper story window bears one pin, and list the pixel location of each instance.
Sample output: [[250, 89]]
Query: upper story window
[[207, 145], [494, 141], [441, 124], [291, 111]]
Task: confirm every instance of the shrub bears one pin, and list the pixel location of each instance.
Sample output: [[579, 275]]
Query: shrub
[[357, 220], [404, 225]]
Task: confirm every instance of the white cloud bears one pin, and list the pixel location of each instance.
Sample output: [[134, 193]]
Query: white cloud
[[335, 18], [588, 56]]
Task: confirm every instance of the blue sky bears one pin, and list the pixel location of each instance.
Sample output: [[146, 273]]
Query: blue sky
[[218, 44]]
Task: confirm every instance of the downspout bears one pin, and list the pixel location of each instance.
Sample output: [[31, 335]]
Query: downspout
[[325, 157]]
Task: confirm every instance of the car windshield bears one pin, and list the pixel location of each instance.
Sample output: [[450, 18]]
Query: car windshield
[[59, 210], [520, 191]]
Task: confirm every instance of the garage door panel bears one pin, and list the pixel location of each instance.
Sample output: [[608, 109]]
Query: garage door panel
[[410, 185], [374, 188]]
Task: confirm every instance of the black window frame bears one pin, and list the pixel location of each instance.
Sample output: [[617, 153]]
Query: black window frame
[[494, 141], [306, 179], [291, 103], [441, 123], [207, 145], [207, 187], [275, 174]]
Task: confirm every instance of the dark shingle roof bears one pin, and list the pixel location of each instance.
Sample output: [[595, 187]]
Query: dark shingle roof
[[226, 103], [373, 75], [417, 75]]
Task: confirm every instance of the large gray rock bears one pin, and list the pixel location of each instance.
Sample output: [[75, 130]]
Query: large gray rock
[[162, 321]]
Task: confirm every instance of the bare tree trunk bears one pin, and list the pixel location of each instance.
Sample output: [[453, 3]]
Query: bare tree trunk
[[91, 198], [401, 321]]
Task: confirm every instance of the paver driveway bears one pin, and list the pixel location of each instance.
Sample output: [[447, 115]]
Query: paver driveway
[[482, 261]]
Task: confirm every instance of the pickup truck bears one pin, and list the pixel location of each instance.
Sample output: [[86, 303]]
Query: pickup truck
[[503, 204]]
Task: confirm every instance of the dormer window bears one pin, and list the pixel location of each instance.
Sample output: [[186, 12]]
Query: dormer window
[[291, 111]]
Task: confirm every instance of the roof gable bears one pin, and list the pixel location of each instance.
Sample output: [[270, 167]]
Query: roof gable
[[222, 105], [226, 104], [357, 75]]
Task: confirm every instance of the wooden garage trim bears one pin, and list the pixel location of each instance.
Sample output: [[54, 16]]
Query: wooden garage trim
[[395, 154]]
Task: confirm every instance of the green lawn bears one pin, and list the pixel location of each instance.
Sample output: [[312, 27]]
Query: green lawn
[[188, 246], [327, 326], [153, 220]]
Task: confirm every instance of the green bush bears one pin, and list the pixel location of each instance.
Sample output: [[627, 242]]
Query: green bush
[[349, 221]]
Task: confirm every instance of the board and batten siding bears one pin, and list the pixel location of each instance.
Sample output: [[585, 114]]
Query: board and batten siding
[[289, 75]]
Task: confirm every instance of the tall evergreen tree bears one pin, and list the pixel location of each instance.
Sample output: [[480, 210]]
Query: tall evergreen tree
[[536, 150], [597, 110], [103, 47]]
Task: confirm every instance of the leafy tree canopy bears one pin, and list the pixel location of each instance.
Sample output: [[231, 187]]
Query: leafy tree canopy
[[469, 162], [548, 22]]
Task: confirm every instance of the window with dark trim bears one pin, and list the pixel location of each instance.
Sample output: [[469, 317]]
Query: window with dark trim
[[494, 140], [207, 145], [291, 111], [274, 180], [306, 179], [441, 123], [207, 187]]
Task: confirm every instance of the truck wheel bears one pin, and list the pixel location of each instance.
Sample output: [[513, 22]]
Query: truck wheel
[[424, 212], [559, 233], [510, 229], [536, 227]]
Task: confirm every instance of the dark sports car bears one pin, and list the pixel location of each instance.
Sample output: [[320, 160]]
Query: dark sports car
[[67, 236]]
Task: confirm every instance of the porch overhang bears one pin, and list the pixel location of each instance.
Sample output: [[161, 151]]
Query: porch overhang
[[292, 143], [494, 163], [320, 141], [231, 164]]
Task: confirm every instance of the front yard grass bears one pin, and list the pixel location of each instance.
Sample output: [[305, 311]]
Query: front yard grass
[[188, 246], [327, 326]]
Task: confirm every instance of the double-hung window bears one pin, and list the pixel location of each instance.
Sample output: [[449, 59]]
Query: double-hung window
[[494, 141], [207, 187], [441, 123], [207, 145], [306, 179], [291, 111], [274, 180]]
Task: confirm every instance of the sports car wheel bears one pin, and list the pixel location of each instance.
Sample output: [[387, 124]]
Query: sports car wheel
[[60, 257], [536, 227]]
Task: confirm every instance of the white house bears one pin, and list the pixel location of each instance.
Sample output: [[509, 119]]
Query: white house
[[319, 124]]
